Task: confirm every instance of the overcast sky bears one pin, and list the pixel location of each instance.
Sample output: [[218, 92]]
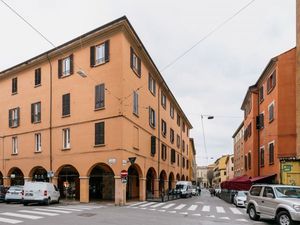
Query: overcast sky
[[212, 79]]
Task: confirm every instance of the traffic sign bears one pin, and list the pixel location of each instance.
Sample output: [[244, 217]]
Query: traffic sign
[[124, 173]]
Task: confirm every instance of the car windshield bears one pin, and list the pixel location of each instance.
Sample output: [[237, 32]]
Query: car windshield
[[287, 192], [179, 186], [241, 194]]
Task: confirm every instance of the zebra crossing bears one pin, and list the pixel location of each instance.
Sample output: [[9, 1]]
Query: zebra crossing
[[27, 213], [195, 209]]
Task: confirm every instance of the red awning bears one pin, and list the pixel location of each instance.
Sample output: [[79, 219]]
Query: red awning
[[262, 178], [237, 183]]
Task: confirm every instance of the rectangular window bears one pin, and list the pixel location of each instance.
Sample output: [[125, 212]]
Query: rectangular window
[[271, 153], [37, 77], [99, 54], [271, 82], [187, 164], [260, 121], [178, 141], [271, 112], [173, 156], [172, 135], [37, 142], [66, 105], [245, 162], [66, 138], [163, 128], [178, 120], [262, 157], [99, 133], [172, 111], [14, 145], [261, 93], [135, 62], [178, 163], [163, 100], [152, 117], [135, 103], [183, 162], [99, 96], [151, 85], [249, 161], [36, 112], [14, 117], [163, 152], [14, 85], [183, 146], [65, 66], [183, 127]]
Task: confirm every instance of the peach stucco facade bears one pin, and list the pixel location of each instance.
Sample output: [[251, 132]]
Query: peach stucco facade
[[85, 170]]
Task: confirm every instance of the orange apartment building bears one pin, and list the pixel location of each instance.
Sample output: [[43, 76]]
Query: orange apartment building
[[74, 115], [270, 123], [238, 145]]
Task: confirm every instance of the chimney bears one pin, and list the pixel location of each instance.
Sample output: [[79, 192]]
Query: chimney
[[298, 77]]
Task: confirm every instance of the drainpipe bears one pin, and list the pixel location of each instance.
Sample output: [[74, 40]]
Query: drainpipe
[[50, 120], [258, 140], [158, 127]]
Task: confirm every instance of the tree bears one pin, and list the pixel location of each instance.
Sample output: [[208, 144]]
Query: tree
[[210, 177]]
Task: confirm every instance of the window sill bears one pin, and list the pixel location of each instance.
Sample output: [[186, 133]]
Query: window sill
[[66, 149], [164, 135], [270, 121], [164, 106], [14, 126], [261, 101], [99, 109], [100, 64], [271, 164], [136, 72], [271, 89], [37, 152], [99, 145], [65, 75], [154, 94], [153, 127], [14, 93], [36, 122], [38, 85], [136, 148], [136, 115], [13, 154], [64, 116]]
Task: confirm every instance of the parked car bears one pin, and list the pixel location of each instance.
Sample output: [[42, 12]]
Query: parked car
[[40, 192], [14, 194], [218, 192], [185, 188], [240, 199], [279, 202], [2, 193], [194, 190]]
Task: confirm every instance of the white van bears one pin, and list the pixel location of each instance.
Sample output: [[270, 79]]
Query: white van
[[184, 188], [40, 192]]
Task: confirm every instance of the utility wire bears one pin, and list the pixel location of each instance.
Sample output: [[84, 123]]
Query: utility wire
[[208, 35]]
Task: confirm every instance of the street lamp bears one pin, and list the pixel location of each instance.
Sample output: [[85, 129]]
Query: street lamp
[[209, 117]]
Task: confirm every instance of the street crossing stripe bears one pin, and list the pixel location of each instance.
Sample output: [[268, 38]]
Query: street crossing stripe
[[64, 208], [242, 220], [161, 210], [22, 215], [181, 206], [168, 206], [52, 210], [220, 209], [38, 213], [211, 216], [224, 218], [172, 211], [193, 207], [139, 203], [206, 208], [197, 214], [5, 220], [147, 204], [235, 211], [157, 205]]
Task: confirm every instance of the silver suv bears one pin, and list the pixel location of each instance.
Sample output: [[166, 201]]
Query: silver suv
[[280, 202]]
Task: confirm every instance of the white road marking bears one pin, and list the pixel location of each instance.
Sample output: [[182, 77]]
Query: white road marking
[[211, 216], [197, 214], [172, 211], [168, 206], [39, 213], [138, 203], [193, 207], [220, 209], [152, 209], [147, 204], [22, 216], [242, 220], [184, 213], [235, 211], [224, 218], [157, 205], [206, 208], [199, 203], [5, 220], [181, 206], [161, 210], [65, 208], [52, 210]]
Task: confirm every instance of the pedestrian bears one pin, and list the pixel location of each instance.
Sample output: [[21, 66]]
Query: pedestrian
[[199, 191]]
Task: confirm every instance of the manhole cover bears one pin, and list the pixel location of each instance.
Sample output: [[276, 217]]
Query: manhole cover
[[87, 214]]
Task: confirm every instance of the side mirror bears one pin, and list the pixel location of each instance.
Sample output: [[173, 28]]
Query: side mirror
[[270, 195]]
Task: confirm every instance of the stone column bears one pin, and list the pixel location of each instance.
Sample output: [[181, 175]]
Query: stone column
[[120, 192], [84, 189], [156, 188], [142, 189], [6, 181]]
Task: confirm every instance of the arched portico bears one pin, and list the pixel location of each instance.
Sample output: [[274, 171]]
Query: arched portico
[[68, 182]]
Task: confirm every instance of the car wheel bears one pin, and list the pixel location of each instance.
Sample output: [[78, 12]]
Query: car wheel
[[283, 218], [252, 213], [48, 201], [58, 200], [25, 203]]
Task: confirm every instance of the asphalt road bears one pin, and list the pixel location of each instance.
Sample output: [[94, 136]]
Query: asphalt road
[[198, 210]]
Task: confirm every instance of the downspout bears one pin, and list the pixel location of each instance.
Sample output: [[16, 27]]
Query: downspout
[[50, 120], [258, 139], [158, 127]]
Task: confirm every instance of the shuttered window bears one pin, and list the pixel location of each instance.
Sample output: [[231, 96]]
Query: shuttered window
[[14, 117], [163, 128], [99, 133], [65, 66], [151, 84], [135, 63], [163, 100], [178, 141], [99, 96], [14, 145], [152, 117], [66, 105], [99, 54], [271, 153], [271, 112], [37, 77], [172, 135], [66, 138], [173, 156], [38, 142], [271, 82], [36, 112], [172, 111], [163, 152], [135, 103], [262, 157], [249, 161], [14, 85]]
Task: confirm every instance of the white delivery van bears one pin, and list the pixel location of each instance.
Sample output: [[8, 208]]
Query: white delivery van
[[184, 188], [40, 192]]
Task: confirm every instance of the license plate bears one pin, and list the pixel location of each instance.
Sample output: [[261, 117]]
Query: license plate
[[28, 194]]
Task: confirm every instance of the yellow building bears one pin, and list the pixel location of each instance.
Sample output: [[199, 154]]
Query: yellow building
[[220, 173], [192, 160]]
